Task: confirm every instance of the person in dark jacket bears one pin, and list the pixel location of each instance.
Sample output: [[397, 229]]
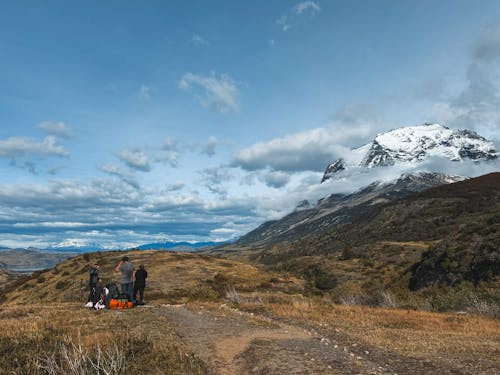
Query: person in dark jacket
[[93, 280], [140, 283]]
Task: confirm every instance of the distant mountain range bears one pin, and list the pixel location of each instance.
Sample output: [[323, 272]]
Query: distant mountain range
[[412, 145], [178, 246]]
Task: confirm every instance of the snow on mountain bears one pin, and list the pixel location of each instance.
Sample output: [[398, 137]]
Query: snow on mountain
[[412, 145], [76, 244]]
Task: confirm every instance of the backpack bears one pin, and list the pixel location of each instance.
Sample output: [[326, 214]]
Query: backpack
[[115, 304], [123, 297], [121, 302], [113, 290]]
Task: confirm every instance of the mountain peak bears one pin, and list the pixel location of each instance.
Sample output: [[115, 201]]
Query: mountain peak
[[413, 144]]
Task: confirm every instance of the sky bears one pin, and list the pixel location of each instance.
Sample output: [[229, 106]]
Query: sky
[[130, 122]]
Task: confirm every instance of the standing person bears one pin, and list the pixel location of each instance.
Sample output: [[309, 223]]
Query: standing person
[[93, 279], [140, 283], [127, 270]]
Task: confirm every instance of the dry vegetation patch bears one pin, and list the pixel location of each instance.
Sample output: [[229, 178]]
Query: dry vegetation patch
[[172, 278], [457, 341], [66, 339]]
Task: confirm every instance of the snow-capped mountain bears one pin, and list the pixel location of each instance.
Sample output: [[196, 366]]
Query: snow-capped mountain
[[414, 144], [76, 245]]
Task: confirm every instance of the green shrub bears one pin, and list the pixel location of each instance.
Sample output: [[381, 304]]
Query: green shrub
[[63, 284]]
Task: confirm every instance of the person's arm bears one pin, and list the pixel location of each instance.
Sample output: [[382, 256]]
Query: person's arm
[[117, 269]]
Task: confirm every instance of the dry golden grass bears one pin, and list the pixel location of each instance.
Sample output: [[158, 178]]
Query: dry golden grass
[[35, 326], [455, 340], [172, 277], [31, 335]]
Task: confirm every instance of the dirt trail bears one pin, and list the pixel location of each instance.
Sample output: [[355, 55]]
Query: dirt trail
[[234, 342]]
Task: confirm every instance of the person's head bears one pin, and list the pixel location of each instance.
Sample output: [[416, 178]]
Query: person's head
[[95, 265], [125, 258], [141, 266]]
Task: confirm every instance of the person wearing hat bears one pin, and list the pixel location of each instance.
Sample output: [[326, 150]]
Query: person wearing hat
[[140, 283]]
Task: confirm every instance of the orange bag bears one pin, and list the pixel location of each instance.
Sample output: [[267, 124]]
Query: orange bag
[[119, 304]]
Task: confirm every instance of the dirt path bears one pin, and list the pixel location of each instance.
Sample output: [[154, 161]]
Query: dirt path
[[234, 342]]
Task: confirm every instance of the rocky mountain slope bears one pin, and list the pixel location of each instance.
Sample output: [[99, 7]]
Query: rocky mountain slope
[[339, 209], [412, 145]]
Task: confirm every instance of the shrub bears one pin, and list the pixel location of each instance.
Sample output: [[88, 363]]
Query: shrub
[[63, 284], [325, 281], [387, 299], [232, 294]]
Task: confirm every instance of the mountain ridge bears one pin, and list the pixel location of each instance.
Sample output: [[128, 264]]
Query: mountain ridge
[[414, 144]]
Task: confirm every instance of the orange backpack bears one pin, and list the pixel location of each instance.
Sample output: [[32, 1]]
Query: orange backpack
[[117, 304], [122, 302]]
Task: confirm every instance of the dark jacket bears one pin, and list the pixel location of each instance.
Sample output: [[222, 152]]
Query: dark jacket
[[140, 277], [94, 277]]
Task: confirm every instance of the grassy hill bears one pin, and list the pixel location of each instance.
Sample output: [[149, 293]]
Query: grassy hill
[[173, 277]]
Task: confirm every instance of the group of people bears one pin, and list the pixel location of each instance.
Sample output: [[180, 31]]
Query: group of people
[[133, 282]]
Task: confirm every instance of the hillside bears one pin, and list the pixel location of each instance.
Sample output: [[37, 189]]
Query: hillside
[[30, 259], [435, 249], [337, 210], [208, 315], [172, 277]]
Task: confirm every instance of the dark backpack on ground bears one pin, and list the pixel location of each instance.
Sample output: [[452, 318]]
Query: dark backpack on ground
[[113, 290], [113, 293], [123, 297]]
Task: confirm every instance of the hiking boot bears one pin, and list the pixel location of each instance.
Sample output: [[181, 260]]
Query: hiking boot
[[89, 304]]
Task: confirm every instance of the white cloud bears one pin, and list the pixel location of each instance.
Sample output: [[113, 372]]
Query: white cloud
[[171, 149], [215, 178], [290, 18], [145, 92], [219, 92], [209, 148], [19, 147], [304, 6], [58, 129], [275, 179], [198, 40], [310, 150], [176, 186], [476, 105], [125, 176], [135, 159], [283, 22]]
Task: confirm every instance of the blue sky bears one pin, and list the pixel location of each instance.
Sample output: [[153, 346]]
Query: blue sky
[[125, 122]]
